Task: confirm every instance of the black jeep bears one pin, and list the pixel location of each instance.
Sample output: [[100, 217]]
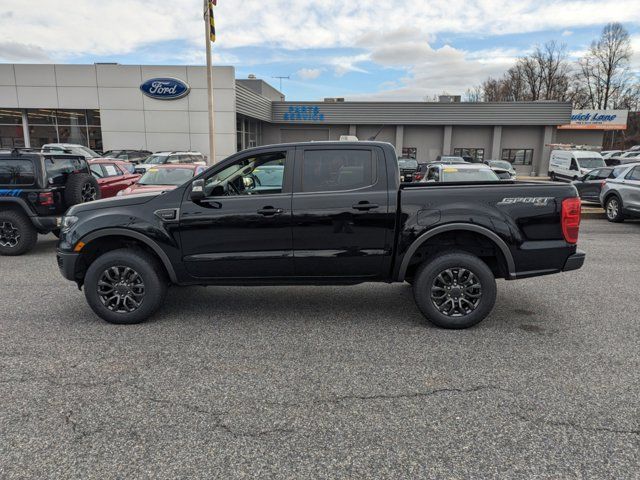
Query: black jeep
[[35, 191]]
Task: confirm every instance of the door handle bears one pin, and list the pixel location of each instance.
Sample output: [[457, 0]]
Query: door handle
[[364, 206], [270, 211]]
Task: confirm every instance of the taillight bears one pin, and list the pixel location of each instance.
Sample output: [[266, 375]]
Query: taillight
[[571, 210], [45, 199], [417, 176]]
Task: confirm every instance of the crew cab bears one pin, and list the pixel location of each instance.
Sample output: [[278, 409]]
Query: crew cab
[[338, 214]]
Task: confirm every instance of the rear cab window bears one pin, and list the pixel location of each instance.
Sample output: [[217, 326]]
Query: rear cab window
[[19, 172], [335, 169]]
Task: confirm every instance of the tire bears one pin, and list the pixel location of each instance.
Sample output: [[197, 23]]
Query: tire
[[552, 176], [147, 285], [17, 233], [81, 188], [613, 209], [479, 300]]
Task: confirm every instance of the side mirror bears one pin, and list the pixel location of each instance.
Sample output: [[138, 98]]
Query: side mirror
[[197, 190]]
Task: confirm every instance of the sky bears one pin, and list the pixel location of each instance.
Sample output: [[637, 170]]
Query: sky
[[361, 49]]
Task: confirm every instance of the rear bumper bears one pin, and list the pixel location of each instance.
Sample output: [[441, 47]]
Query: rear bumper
[[46, 224], [575, 261], [67, 264]]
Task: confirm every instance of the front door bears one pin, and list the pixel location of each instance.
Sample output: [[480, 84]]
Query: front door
[[341, 223], [242, 228]]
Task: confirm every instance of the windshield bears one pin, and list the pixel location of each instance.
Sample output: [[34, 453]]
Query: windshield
[[166, 176], [591, 162], [451, 174], [407, 163], [500, 164], [452, 160], [156, 159]]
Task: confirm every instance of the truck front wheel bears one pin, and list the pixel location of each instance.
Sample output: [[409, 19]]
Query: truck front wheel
[[125, 286], [455, 290]]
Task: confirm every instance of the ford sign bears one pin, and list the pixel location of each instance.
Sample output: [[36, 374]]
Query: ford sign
[[165, 88]]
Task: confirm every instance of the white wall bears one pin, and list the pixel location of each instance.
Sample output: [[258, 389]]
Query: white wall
[[129, 118]]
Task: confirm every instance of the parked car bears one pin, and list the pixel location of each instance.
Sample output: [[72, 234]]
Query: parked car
[[35, 190], [408, 167], [623, 158], [590, 185], [420, 172], [570, 165], [168, 158], [113, 175], [620, 196], [70, 149], [133, 156], [438, 172], [610, 153], [340, 216], [163, 178], [501, 166]]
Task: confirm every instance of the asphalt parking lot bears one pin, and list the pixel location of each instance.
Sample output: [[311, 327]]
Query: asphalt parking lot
[[327, 382]]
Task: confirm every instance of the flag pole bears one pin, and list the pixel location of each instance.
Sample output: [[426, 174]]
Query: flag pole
[[207, 29]]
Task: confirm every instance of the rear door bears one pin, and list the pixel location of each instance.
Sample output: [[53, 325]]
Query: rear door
[[342, 226], [589, 187]]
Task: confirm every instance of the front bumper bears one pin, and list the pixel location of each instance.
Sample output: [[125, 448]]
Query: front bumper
[[67, 264], [575, 261]]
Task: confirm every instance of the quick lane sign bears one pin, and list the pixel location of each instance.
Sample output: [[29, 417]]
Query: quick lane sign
[[597, 120]]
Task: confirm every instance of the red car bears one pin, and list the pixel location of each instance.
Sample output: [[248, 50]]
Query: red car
[[162, 178], [113, 175]]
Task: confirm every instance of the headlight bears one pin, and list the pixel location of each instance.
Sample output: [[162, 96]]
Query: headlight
[[68, 222]]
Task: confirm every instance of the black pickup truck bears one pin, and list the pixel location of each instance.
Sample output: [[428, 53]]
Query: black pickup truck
[[315, 214]]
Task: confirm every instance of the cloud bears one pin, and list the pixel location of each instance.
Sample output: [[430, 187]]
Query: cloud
[[22, 52], [567, 33], [309, 73]]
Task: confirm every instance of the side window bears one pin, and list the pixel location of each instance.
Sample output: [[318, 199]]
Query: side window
[[128, 167], [574, 165], [604, 173], [332, 170], [592, 175], [634, 174], [111, 170], [16, 172], [255, 175], [96, 170], [174, 159]]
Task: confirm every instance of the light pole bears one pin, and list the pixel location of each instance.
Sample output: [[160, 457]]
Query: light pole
[[208, 39]]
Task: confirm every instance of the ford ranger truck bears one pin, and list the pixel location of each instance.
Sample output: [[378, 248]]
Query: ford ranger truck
[[320, 213]]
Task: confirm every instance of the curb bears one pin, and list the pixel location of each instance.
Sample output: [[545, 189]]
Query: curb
[[593, 213]]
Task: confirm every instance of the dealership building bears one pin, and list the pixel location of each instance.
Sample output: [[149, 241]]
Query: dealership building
[[110, 106]]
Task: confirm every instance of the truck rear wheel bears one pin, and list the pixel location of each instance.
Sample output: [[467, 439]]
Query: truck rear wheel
[[455, 290], [125, 286], [17, 233]]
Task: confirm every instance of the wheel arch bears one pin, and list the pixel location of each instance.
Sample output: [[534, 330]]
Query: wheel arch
[[115, 234], [499, 243]]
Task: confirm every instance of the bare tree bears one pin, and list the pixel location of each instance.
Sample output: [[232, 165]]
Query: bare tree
[[604, 70]]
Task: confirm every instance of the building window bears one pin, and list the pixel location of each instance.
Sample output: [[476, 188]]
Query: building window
[[518, 156], [476, 153], [64, 126], [11, 134], [410, 152], [248, 133]]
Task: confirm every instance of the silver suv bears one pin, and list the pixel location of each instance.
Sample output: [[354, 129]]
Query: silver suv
[[620, 196]]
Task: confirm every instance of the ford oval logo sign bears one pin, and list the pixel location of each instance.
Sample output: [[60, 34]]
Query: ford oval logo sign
[[165, 88]]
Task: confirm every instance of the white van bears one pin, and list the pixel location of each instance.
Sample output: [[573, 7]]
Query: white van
[[572, 164]]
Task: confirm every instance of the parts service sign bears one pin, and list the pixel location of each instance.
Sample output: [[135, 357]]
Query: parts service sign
[[597, 120], [165, 88]]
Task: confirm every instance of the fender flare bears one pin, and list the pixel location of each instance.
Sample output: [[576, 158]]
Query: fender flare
[[19, 202], [501, 244], [123, 232]]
